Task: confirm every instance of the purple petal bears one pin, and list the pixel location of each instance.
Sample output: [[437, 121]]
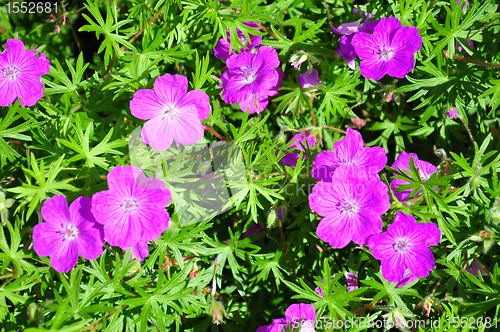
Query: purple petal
[[64, 257], [170, 88], [347, 28], [146, 105], [352, 281], [407, 40], [406, 280], [197, 99], [55, 210], [46, 238], [309, 80], [297, 312], [156, 133]]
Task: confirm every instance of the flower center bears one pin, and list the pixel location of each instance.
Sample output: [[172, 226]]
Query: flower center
[[171, 112], [11, 72], [386, 53], [69, 232], [402, 245], [248, 74], [350, 207], [347, 162], [130, 205]]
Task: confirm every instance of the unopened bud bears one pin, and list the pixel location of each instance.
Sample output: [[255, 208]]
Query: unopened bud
[[271, 218], [398, 318], [474, 182], [281, 138]]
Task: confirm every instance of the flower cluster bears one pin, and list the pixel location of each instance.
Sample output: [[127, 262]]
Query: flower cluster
[[128, 215], [351, 198]]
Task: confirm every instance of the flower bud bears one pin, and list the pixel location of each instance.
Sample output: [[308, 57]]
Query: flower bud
[[297, 59], [271, 218], [486, 236], [216, 310], [397, 318]]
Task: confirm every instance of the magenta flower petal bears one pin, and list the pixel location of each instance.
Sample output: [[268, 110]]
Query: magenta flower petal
[[292, 157], [222, 47], [349, 151], [301, 311], [146, 105], [352, 281], [309, 80], [67, 233], [20, 73], [170, 88], [348, 28], [140, 250], [198, 100], [426, 169], [408, 277]]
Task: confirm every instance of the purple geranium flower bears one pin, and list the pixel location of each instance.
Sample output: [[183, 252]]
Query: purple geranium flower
[[349, 151], [351, 206], [251, 76], [20, 73], [300, 141], [294, 314], [133, 209], [425, 170], [389, 50], [67, 233], [405, 245], [222, 48], [173, 114]]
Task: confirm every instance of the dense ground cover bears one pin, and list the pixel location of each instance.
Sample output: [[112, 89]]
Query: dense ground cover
[[249, 166]]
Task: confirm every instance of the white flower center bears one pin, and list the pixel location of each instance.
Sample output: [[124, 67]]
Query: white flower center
[[402, 245], [386, 53], [248, 74], [11, 72], [171, 112], [69, 232], [130, 205], [350, 207]]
